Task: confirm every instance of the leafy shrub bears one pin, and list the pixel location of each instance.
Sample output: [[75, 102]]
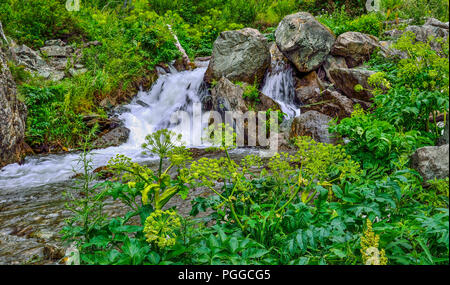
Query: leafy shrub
[[419, 87], [377, 142], [340, 22], [48, 121], [32, 22]]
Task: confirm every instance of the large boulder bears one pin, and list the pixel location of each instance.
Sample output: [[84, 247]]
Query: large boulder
[[331, 103], [13, 115], [355, 47], [431, 162], [241, 55], [345, 79], [304, 41], [313, 124]]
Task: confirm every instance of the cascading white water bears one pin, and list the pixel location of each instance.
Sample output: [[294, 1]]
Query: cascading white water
[[279, 85], [172, 92]]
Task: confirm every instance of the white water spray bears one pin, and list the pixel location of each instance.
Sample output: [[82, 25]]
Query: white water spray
[[279, 85]]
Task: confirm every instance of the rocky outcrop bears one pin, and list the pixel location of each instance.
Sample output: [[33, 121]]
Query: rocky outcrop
[[431, 162], [355, 47], [241, 55], [59, 59], [345, 79], [313, 124], [13, 115], [432, 28], [304, 41]]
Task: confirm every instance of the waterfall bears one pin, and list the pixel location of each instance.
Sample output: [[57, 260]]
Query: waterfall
[[279, 85]]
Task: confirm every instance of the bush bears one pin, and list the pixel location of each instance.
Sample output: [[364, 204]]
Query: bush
[[32, 22], [49, 122], [340, 22]]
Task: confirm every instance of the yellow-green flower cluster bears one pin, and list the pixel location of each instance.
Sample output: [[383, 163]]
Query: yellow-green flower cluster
[[160, 228], [369, 247], [210, 171]]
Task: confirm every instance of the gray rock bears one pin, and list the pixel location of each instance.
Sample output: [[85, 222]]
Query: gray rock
[[355, 47], [313, 124], [34, 63], [114, 137], [304, 41], [57, 51], [58, 63], [432, 28], [13, 114], [431, 162], [345, 79], [56, 42], [142, 103], [241, 55], [74, 72], [436, 23], [332, 62]]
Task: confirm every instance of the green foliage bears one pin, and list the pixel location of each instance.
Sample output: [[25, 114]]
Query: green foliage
[[417, 9], [418, 86], [340, 22], [32, 22], [49, 121], [377, 142], [251, 92]]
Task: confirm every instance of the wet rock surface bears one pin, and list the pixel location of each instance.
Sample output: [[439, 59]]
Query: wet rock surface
[[13, 115]]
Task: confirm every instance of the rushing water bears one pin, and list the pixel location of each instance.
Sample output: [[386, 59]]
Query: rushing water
[[279, 85]]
